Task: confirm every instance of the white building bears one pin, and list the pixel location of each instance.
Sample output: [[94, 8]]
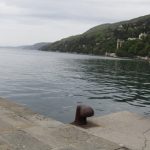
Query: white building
[[131, 39], [119, 43], [142, 35]]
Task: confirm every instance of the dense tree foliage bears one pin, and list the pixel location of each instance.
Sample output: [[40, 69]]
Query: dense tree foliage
[[135, 47]]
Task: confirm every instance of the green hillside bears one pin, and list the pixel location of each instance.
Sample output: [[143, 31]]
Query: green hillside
[[103, 38]]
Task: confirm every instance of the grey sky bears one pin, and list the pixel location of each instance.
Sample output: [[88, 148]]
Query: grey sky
[[31, 21]]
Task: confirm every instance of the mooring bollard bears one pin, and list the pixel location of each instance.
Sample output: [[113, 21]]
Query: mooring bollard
[[82, 112]]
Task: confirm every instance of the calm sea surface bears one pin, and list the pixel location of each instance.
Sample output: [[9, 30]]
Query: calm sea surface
[[54, 83]]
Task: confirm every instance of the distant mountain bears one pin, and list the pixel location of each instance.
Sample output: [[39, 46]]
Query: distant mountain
[[104, 38], [36, 46]]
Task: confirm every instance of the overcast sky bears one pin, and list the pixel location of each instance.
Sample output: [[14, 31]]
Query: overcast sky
[[30, 21]]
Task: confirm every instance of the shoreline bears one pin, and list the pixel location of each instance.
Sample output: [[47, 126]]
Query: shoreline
[[109, 55], [113, 55]]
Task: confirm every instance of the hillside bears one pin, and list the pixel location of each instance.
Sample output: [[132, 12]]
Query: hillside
[[36, 46], [103, 38]]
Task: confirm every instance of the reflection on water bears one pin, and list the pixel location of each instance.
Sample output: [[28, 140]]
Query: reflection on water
[[54, 83]]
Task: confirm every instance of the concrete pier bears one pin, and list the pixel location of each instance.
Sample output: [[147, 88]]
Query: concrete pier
[[124, 128], [21, 129]]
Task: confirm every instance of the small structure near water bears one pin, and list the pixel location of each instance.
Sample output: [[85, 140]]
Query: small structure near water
[[110, 54]]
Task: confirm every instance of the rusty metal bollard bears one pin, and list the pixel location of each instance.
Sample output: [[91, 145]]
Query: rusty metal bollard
[[82, 112]]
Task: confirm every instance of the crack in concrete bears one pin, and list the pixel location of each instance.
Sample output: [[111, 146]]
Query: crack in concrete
[[145, 143], [146, 131], [122, 148], [145, 139]]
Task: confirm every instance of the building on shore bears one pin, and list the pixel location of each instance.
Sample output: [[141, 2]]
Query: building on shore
[[131, 39], [119, 43], [142, 36]]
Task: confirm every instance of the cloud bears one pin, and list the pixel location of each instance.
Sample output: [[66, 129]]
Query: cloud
[[82, 10], [62, 17], [8, 10]]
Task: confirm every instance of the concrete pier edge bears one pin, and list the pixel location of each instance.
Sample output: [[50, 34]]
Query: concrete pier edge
[[22, 129]]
